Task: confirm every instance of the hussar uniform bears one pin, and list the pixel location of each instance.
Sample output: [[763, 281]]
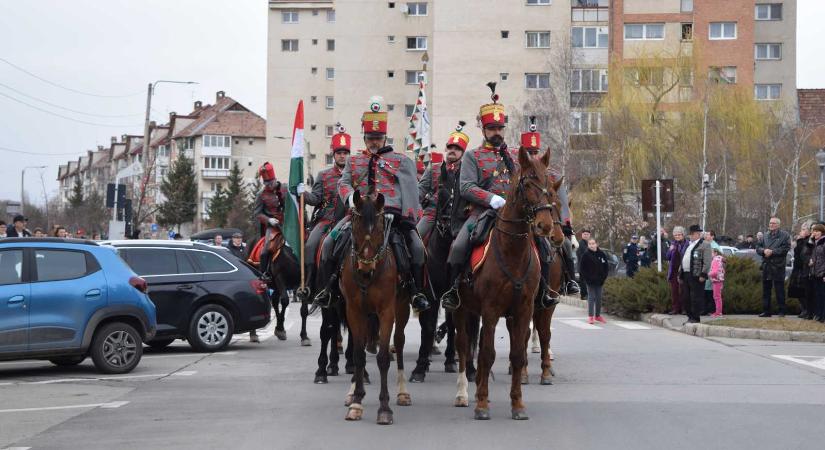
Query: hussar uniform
[[269, 208]]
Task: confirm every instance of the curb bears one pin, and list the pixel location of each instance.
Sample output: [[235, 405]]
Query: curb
[[573, 301], [703, 330]]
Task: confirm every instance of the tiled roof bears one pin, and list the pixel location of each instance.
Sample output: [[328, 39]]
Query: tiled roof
[[100, 159], [225, 117], [811, 106]]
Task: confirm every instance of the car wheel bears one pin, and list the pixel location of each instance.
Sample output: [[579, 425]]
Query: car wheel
[[116, 348], [67, 361], [210, 328], [160, 343]]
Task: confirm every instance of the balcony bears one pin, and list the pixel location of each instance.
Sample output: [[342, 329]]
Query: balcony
[[208, 195], [579, 14], [214, 173]]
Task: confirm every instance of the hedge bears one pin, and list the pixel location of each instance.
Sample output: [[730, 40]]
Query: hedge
[[649, 291]]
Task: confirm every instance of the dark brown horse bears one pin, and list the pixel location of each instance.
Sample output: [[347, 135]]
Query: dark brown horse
[[507, 282], [369, 284]]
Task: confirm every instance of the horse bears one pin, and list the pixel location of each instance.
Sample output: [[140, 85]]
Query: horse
[[530, 206], [370, 285]]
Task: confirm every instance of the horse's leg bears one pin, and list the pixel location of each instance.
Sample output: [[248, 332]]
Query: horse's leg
[[402, 315], [449, 352], [462, 398], [486, 356], [385, 324], [544, 339], [519, 334], [350, 365], [305, 342], [334, 330], [358, 330], [422, 365], [473, 322], [281, 304], [534, 336], [326, 330]]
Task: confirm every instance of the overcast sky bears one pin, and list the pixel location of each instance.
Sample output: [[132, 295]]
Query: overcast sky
[[116, 47]]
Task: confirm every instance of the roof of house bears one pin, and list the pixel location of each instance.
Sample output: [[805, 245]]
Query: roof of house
[[62, 170], [225, 117], [811, 105], [100, 158]]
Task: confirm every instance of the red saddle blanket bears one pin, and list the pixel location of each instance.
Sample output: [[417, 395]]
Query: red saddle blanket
[[255, 255], [479, 254]]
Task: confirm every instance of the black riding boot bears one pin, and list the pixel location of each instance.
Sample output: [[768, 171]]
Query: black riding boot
[[451, 300], [263, 265], [546, 297], [570, 270], [418, 300], [327, 270]]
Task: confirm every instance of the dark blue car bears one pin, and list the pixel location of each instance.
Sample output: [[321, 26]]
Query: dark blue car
[[63, 300]]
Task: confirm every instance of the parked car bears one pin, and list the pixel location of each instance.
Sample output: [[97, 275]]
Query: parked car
[[63, 300], [203, 293], [728, 251]]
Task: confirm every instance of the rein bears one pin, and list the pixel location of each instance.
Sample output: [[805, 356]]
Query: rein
[[378, 259]]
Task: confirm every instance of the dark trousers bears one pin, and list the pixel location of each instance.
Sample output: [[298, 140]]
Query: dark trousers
[[710, 305], [808, 299], [767, 287], [819, 304], [693, 296], [675, 295]]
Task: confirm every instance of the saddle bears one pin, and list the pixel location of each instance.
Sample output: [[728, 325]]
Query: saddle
[[255, 255], [481, 232], [479, 253]]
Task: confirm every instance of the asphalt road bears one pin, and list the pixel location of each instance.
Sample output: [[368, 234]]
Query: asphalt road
[[618, 386]]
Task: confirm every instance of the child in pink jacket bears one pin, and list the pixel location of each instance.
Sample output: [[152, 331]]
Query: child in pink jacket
[[717, 278]]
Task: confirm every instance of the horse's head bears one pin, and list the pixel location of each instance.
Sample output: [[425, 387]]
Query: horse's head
[[538, 195], [368, 231]]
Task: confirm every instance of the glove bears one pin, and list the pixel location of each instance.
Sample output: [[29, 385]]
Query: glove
[[301, 188], [497, 202], [351, 202], [273, 222]]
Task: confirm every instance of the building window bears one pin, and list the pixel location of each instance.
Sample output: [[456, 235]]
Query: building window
[[314, 70], [289, 17], [391, 39], [505, 34], [727, 74], [646, 76], [686, 76], [216, 162], [646, 31], [417, 9], [330, 130], [390, 74], [537, 80], [503, 76], [687, 31], [314, 12], [390, 107], [687, 6], [289, 45], [315, 42], [216, 141], [330, 45], [331, 16], [538, 39], [330, 73], [417, 43], [722, 30], [413, 76], [538, 2], [409, 110], [391, 5], [163, 151], [769, 11], [330, 102], [589, 37], [768, 51], [313, 99], [585, 122], [767, 91], [589, 80]]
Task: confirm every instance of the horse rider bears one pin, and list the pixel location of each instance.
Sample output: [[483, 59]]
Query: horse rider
[[484, 181], [269, 209], [329, 208], [379, 169], [531, 141], [440, 192]]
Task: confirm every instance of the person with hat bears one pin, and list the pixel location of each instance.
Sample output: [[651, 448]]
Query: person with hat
[[329, 209], [269, 208], [19, 228], [439, 189], [693, 271], [485, 181], [379, 169], [237, 246], [630, 256]]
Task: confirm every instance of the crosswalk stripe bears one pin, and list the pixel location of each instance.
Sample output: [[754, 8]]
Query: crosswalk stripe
[[632, 325], [579, 324], [817, 362]]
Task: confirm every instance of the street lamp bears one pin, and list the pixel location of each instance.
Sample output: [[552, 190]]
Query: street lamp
[[820, 159], [23, 185]]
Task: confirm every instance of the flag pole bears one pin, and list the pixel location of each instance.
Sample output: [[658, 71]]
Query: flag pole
[[302, 228]]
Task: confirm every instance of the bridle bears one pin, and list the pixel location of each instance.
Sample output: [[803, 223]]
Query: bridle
[[530, 211], [357, 252]]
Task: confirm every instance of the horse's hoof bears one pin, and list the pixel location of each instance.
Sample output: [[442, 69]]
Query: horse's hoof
[[546, 381], [321, 379], [536, 349], [348, 400], [461, 402], [519, 415], [305, 342], [417, 377], [404, 399], [280, 334], [482, 414], [525, 379], [384, 418], [332, 371], [450, 367], [355, 412]]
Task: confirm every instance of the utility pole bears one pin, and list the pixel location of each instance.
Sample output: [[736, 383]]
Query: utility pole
[[23, 185]]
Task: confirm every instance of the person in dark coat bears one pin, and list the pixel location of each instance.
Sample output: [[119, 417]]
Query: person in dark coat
[[817, 267], [693, 270], [19, 228], [674, 258], [237, 247], [773, 248], [630, 256], [593, 269], [579, 252], [801, 285]]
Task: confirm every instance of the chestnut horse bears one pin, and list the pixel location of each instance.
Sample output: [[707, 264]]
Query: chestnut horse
[[370, 286], [507, 282]]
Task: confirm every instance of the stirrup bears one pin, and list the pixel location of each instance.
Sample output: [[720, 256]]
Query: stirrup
[[419, 303], [323, 299], [447, 300]]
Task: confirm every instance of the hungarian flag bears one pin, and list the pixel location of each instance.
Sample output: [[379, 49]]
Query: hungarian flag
[[292, 213]]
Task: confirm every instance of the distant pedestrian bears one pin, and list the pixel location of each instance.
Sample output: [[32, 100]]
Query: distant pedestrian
[[19, 228], [773, 248], [38, 233], [2, 229], [653, 248], [717, 278], [61, 232], [178, 237], [644, 256], [594, 269], [800, 285], [695, 267], [237, 247], [710, 304], [218, 240], [674, 258], [748, 244], [817, 265], [96, 237], [759, 237], [630, 256], [579, 252]]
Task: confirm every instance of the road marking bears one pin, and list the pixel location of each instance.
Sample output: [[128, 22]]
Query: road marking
[[185, 373], [817, 362], [110, 405], [179, 355], [632, 325], [17, 448], [579, 324]]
